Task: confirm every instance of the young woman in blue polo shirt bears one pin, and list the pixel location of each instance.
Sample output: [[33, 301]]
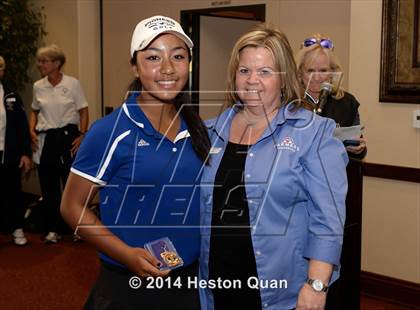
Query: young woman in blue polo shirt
[[145, 159]]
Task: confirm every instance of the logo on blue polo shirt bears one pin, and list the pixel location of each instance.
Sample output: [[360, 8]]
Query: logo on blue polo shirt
[[143, 142], [288, 144]]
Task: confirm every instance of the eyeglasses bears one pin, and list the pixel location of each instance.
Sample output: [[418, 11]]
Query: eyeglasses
[[44, 61], [325, 43]]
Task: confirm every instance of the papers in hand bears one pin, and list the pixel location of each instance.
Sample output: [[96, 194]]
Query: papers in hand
[[348, 133]]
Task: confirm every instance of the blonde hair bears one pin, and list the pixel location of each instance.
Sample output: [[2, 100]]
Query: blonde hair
[[264, 35], [307, 54], [53, 52]]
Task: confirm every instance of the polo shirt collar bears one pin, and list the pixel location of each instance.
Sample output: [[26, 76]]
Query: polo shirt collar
[[47, 83], [221, 125], [133, 111], [288, 112]]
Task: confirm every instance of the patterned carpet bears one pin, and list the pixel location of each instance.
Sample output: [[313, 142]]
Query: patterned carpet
[[41, 276]]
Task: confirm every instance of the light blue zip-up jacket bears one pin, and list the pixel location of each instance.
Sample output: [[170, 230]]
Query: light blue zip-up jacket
[[296, 185]]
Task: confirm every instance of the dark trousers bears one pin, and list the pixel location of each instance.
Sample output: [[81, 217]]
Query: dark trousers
[[333, 297], [112, 291], [54, 169], [11, 203]]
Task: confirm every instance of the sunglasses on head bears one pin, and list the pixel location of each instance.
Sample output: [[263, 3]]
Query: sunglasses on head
[[325, 43]]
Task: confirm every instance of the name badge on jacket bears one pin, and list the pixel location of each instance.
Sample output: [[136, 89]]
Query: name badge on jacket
[[215, 150]]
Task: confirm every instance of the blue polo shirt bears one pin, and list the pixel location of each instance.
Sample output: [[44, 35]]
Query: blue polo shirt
[[296, 185], [149, 184]]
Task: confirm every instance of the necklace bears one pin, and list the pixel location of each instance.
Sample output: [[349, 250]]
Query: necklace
[[252, 122]]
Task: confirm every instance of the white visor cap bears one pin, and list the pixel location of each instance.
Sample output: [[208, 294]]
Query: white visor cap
[[148, 29]]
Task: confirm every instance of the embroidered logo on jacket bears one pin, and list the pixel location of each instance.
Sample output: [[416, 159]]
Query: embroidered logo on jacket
[[288, 144], [143, 143], [10, 103]]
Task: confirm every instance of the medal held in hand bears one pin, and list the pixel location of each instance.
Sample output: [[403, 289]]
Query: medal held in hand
[[164, 250]]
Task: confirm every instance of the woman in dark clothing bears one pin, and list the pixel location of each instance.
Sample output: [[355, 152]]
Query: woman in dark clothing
[[319, 67], [15, 153], [317, 64]]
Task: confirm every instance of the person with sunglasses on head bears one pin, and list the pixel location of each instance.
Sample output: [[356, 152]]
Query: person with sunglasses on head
[[58, 121], [145, 159], [272, 198], [319, 67]]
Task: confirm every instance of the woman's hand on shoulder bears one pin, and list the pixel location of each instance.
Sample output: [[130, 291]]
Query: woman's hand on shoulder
[[142, 263]]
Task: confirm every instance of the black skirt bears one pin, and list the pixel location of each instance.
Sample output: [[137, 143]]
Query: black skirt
[[112, 290]]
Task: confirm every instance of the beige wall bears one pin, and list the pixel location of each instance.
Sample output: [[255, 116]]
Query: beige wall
[[300, 19], [216, 43], [74, 26], [88, 54], [62, 30], [391, 241], [391, 210]]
